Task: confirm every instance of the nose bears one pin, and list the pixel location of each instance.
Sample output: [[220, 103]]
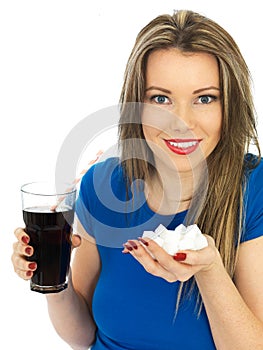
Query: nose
[[182, 119]]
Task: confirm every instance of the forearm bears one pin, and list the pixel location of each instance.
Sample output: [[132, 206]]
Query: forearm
[[232, 323], [71, 318]]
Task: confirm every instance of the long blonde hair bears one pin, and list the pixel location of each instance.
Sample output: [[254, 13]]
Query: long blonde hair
[[222, 212]]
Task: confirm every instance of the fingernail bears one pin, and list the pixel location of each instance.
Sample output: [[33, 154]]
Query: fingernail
[[179, 256], [25, 239], [28, 251], [32, 266], [29, 273], [143, 241], [128, 247], [133, 244]]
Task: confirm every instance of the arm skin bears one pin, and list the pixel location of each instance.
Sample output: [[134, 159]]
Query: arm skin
[[70, 310], [234, 309]]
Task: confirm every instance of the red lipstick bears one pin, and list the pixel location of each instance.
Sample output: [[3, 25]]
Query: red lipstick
[[182, 146]]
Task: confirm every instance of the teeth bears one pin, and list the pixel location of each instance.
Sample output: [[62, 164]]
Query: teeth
[[183, 144]]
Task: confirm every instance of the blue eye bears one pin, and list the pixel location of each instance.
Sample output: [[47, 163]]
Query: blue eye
[[206, 99], [160, 99]]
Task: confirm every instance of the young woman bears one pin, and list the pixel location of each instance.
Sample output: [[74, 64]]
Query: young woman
[[187, 121]]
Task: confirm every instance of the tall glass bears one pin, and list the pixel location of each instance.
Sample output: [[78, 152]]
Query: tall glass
[[48, 213]]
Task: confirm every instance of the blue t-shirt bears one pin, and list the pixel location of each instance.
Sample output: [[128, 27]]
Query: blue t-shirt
[[132, 308]]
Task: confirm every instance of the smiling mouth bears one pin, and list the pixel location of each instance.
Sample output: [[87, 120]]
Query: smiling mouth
[[182, 146]]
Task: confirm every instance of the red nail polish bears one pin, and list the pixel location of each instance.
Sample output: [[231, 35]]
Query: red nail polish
[[179, 256], [28, 250], [29, 273], [25, 239], [143, 241], [128, 247], [32, 266], [133, 244]]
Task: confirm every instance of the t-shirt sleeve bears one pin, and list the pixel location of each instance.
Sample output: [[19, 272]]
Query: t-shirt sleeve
[[83, 202], [253, 227]]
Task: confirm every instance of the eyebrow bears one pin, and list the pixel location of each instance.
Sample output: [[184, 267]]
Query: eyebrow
[[158, 88], [206, 88], [194, 92]]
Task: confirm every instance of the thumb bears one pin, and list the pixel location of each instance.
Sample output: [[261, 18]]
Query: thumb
[[75, 241]]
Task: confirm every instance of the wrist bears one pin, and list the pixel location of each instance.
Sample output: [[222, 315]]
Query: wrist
[[60, 296], [214, 267]]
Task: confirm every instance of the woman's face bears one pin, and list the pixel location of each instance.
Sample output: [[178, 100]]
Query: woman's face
[[182, 112]]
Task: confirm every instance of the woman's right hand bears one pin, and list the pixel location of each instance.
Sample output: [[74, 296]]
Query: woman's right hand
[[23, 250]]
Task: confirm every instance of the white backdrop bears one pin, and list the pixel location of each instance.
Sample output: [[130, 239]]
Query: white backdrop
[[60, 61]]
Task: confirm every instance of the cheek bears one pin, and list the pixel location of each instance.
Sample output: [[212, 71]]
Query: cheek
[[212, 129], [149, 132], [216, 128], [212, 124], [153, 140]]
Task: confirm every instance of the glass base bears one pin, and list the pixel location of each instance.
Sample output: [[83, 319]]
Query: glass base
[[48, 289]]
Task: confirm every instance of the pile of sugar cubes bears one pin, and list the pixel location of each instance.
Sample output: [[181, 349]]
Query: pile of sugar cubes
[[181, 238]]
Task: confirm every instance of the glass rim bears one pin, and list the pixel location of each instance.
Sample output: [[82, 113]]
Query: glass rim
[[70, 189]]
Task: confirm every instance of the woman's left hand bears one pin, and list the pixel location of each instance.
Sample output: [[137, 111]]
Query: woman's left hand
[[180, 267]]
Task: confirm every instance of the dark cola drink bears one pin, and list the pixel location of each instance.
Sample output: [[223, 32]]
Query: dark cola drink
[[50, 235]]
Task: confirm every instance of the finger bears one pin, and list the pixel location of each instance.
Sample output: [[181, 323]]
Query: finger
[[25, 275], [20, 263], [21, 235], [182, 270], [22, 249], [160, 254], [75, 241], [202, 257], [187, 257], [126, 249], [151, 265]]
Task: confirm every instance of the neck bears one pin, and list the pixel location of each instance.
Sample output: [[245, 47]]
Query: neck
[[170, 192]]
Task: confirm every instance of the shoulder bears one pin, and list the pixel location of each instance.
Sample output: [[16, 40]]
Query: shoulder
[[105, 174], [100, 192], [102, 180], [103, 169]]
